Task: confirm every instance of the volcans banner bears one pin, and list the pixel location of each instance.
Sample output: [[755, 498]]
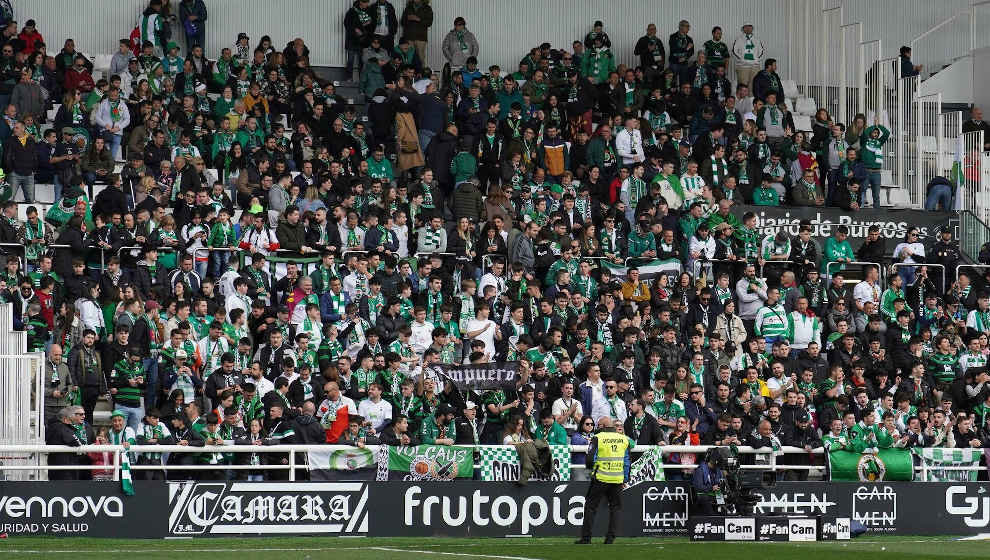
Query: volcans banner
[[893, 223], [466, 508]]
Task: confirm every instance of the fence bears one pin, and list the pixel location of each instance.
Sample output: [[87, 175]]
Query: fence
[[296, 461]]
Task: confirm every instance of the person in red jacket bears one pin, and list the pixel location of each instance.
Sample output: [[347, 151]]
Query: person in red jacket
[[334, 412], [78, 77], [31, 37], [47, 301]]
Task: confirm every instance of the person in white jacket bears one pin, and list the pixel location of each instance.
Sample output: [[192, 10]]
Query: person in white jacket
[[89, 311], [701, 249], [747, 53], [113, 117], [629, 143], [752, 292]]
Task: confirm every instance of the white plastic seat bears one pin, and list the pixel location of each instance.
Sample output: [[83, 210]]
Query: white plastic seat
[[805, 106], [790, 89], [802, 122]]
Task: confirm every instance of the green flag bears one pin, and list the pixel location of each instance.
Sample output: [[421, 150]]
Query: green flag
[[425, 462], [126, 483], [935, 459], [888, 464], [502, 463]]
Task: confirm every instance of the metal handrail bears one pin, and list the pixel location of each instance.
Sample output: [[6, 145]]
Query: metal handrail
[[293, 464], [828, 266], [973, 266], [895, 266], [766, 262]]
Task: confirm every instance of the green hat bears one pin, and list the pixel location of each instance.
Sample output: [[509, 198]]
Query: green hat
[[171, 45], [118, 414], [556, 189]]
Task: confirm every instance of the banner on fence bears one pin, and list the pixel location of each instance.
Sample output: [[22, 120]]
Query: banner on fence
[[425, 462], [502, 463], [887, 464], [648, 270], [893, 223], [646, 468], [935, 459], [478, 377], [355, 463]]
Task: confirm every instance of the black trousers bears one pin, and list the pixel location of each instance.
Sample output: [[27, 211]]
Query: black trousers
[[703, 505], [597, 491]]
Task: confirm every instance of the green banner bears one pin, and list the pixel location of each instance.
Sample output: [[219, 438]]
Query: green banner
[[936, 459], [888, 464], [647, 468], [425, 462], [502, 463]]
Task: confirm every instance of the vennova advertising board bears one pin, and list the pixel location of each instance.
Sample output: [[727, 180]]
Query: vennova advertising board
[[893, 223], [466, 508], [81, 509]]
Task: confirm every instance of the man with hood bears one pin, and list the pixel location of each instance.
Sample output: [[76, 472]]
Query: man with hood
[[371, 76]]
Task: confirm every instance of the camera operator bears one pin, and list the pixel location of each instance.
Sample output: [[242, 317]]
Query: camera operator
[[707, 481]]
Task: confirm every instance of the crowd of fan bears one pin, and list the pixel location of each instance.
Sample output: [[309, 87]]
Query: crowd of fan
[[471, 218]]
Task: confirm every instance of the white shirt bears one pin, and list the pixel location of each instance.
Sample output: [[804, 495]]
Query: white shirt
[[489, 279], [600, 409], [236, 301], [560, 406], [422, 336], [262, 386], [402, 235], [629, 145], [488, 337], [350, 285], [379, 414], [864, 292], [344, 402]]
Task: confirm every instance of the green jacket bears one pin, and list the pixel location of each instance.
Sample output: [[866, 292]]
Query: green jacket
[[597, 64], [380, 169], [429, 432], [871, 150], [554, 435], [834, 251], [463, 166], [596, 151], [867, 437], [765, 197]]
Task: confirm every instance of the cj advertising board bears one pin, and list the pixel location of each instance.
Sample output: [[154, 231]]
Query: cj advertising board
[[473, 508]]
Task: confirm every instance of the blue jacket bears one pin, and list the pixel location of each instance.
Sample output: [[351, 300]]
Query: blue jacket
[[432, 113], [704, 478], [374, 237], [327, 312]]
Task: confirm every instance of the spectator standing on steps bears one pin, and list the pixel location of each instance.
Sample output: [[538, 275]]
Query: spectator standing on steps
[[459, 45], [21, 161], [359, 23], [193, 14], [417, 18], [747, 52]]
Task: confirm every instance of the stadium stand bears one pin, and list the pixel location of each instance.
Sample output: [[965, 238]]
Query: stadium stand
[[683, 241]]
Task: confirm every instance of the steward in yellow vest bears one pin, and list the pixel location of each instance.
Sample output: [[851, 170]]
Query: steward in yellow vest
[[608, 463]]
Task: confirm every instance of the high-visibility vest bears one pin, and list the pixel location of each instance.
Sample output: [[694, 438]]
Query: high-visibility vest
[[610, 460]]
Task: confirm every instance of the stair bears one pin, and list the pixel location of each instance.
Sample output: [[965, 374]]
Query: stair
[[345, 89]]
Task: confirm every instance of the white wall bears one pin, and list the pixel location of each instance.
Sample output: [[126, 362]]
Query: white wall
[[506, 29]]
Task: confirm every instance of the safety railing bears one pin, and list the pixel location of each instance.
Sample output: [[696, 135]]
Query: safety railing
[[432, 254], [769, 462], [294, 461], [945, 42], [699, 263], [863, 264], [896, 266], [763, 266], [961, 267]]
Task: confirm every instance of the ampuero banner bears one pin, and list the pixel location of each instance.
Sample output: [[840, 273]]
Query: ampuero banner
[[893, 223], [478, 377]]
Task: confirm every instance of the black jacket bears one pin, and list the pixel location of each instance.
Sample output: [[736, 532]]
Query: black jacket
[[308, 430], [20, 159], [649, 433], [464, 434]]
